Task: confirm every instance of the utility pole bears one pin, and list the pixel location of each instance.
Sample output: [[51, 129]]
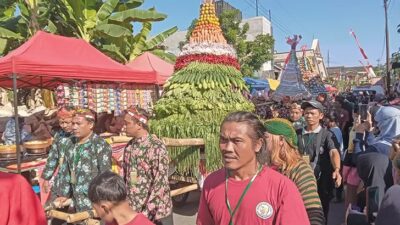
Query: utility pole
[[387, 48], [328, 59], [256, 7]]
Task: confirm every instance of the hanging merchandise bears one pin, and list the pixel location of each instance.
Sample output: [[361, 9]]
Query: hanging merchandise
[[110, 98], [48, 98]]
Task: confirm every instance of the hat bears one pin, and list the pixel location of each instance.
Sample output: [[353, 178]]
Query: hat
[[313, 104], [282, 127]]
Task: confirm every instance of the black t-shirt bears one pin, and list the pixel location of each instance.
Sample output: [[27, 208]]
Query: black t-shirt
[[307, 144]]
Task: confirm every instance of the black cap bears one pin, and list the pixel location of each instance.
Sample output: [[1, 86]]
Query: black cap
[[313, 104]]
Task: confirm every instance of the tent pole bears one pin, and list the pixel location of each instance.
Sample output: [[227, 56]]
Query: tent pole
[[157, 87], [17, 131]]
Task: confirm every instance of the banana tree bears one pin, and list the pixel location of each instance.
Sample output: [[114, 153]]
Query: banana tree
[[142, 42], [21, 19], [109, 25]]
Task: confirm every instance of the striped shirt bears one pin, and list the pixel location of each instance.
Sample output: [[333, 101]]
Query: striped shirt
[[303, 176]]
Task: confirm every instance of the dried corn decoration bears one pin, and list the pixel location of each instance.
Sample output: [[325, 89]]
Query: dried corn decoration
[[207, 85]]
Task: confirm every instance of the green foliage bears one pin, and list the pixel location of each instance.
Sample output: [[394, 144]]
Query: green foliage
[[15, 27], [251, 54], [195, 101], [108, 25]]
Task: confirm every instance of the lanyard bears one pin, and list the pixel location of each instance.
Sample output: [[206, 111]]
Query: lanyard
[[228, 205], [78, 153]]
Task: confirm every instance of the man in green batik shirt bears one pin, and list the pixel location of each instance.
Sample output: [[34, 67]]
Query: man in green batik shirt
[[88, 156], [61, 141]]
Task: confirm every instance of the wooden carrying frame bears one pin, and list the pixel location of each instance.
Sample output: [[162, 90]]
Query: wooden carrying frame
[[72, 218], [199, 142]]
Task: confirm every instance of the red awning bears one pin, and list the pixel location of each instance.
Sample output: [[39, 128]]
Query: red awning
[[46, 58], [153, 64]]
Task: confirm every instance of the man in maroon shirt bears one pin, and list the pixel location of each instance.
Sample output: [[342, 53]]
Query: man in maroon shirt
[[245, 191]]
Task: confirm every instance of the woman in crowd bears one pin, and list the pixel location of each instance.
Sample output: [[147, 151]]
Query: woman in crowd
[[281, 139], [373, 165], [389, 211]]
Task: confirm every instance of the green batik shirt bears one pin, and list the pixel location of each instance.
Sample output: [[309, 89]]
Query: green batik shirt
[[55, 159], [83, 162]]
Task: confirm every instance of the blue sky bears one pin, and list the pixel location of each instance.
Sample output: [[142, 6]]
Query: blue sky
[[329, 21]]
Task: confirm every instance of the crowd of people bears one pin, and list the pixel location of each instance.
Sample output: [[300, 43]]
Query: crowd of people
[[78, 169], [276, 170]]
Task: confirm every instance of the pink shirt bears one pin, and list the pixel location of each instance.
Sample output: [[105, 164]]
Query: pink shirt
[[271, 200]]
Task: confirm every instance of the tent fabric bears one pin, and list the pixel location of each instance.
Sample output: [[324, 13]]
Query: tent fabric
[[52, 57], [273, 84], [153, 64], [269, 84], [256, 84]]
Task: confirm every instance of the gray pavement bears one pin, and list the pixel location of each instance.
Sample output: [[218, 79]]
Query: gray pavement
[[187, 214]]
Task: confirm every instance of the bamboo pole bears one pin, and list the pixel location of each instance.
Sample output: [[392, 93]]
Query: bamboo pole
[[72, 218], [183, 190], [120, 139], [58, 215], [170, 142]]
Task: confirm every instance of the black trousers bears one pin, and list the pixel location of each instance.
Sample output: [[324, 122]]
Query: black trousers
[[325, 191]]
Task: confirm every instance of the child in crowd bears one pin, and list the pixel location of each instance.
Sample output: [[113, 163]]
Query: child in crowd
[[108, 195]]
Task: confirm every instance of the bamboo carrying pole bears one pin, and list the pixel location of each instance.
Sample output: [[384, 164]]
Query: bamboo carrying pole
[[72, 218], [92, 222], [170, 142], [183, 190], [120, 139], [58, 215]]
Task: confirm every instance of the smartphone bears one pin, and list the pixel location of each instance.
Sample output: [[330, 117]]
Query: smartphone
[[372, 203], [363, 111]]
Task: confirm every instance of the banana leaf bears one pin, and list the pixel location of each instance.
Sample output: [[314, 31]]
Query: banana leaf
[[114, 52], [113, 30], [106, 9], [140, 41], [8, 34], [3, 46], [137, 15], [160, 38]]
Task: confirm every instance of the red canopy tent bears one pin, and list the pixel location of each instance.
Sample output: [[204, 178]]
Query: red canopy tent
[[153, 64], [46, 58]]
